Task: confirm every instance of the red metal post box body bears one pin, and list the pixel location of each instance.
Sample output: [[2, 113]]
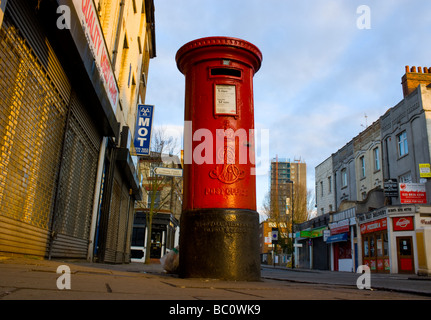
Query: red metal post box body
[[219, 103], [219, 197]]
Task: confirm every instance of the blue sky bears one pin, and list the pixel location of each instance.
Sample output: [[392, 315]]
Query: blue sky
[[320, 73]]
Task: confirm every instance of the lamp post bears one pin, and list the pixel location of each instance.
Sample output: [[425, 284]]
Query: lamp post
[[291, 209]]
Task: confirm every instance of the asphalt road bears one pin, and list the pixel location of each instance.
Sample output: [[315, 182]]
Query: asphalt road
[[409, 283]]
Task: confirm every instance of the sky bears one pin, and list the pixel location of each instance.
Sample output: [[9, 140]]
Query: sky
[[329, 69]]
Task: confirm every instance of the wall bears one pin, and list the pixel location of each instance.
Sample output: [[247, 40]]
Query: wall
[[407, 116], [365, 145], [325, 199], [343, 159]]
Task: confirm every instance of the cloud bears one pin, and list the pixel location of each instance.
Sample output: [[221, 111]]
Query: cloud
[[320, 74]]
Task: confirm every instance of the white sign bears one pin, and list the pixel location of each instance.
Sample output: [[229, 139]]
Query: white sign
[[171, 172], [225, 99], [297, 245], [412, 193], [89, 20], [326, 234]]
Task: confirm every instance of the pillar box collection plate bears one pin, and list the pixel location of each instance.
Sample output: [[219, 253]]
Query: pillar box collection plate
[[219, 222]]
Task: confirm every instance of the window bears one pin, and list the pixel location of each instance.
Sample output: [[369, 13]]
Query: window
[[344, 178], [362, 161], [321, 188], [329, 185], [402, 144], [130, 73], [376, 154], [405, 178], [156, 199]]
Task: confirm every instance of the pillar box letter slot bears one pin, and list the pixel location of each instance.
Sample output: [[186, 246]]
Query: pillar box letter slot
[[219, 222]]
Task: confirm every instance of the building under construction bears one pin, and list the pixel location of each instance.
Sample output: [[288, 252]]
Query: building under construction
[[288, 179]]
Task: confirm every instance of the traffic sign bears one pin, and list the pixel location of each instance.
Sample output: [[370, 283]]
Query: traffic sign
[[170, 172], [274, 234]]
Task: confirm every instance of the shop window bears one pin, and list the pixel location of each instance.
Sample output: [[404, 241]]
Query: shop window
[[375, 251], [379, 242], [366, 249], [372, 248]]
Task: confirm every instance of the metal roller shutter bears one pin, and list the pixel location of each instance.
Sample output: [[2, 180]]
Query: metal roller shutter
[[120, 224], [114, 216], [32, 124], [48, 143], [74, 201]]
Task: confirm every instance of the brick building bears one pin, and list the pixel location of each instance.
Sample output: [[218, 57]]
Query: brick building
[[70, 78]]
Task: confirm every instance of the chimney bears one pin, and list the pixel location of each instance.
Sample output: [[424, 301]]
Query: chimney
[[413, 78]]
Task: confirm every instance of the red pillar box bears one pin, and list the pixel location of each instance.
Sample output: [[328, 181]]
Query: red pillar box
[[219, 222]]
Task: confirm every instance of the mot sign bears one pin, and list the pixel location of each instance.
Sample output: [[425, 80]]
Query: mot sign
[[144, 123]]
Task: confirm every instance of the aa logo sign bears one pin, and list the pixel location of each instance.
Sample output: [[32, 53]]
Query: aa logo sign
[[144, 123]]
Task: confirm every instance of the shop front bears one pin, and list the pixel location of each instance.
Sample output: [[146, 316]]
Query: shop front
[[311, 250], [423, 240], [343, 241], [375, 244], [164, 235], [392, 239]]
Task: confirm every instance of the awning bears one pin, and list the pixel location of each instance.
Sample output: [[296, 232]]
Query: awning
[[317, 232], [338, 238]]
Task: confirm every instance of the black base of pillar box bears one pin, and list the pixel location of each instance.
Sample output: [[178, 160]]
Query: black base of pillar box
[[220, 244]]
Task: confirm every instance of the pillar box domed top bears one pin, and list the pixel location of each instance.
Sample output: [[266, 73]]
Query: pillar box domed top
[[218, 48]]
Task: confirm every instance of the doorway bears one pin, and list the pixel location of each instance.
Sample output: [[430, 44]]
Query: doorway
[[157, 243], [405, 255]]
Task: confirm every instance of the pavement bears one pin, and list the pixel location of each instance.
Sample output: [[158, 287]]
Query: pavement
[[29, 278]]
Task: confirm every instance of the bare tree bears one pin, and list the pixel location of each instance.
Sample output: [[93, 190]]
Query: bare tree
[[299, 209], [159, 189]]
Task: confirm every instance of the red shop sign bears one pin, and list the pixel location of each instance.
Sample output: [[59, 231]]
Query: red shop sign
[[373, 226], [403, 224]]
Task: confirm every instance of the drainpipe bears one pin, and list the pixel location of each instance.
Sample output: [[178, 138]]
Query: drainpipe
[[96, 199], [117, 35]]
